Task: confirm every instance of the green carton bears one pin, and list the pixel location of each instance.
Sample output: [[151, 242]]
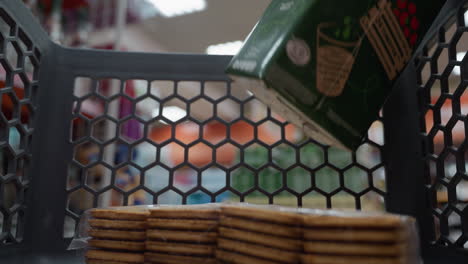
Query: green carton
[[328, 65]]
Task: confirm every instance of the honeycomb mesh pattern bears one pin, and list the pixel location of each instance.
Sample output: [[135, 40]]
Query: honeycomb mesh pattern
[[443, 100], [198, 142], [19, 66]]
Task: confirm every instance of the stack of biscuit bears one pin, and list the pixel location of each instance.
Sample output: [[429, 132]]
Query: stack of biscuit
[[250, 234], [180, 235], [343, 238], [117, 236]]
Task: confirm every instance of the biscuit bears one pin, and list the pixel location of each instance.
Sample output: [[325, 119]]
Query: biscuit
[[258, 251], [114, 256], [363, 249], [261, 239], [185, 213], [177, 259], [182, 236], [261, 227], [120, 214], [354, 221], [357, 235], [236, 258], [115, 244], [182, 224], [117, 224], [263, 214], [324, 259], [181, 248], [118, 234]]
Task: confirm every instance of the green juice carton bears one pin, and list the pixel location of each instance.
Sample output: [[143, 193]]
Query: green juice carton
[[328, 65]]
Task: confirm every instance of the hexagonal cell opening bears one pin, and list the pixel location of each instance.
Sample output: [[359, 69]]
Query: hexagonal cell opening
[[172, 154], [228, 110], [450, 165], [214, 132], [284, 156], [372, 202], [199, 197], [162, 89], [144, 154], [269, 132], [239, 92], [270, 179], [10, 195], [188, 90], [156, 178], [441, 195], [159, 134], [446, 112], [226, 196], [200, 155], [111, 198], [255, 110], [435, 91], [343, 200], [14, 139], [73, 176], [187, 132], [17, 226], [23, 166], [147, 108], [174, 110], [256, 198], [314, 200], [215, 90], [127, 178], [185, 179], [285, 198], [93, 106], [442, 60], [312, 155], [27, 115], [83, 86], [69, 227], [376, 133], [104, 130], [339, 158], [140, 197], [10, 108], [356, 179], [31, 68], [327, 180], [439, 142], [227, 155], [242, 179], [169, 197], [131, 131], [213, 179], [458, 134], [118, 103], [108, 87], [79, 128], [299, 179], [12, 53], [87, 153], [116, 153], [256, 156], [98, 177], [135, 88], [242, 132], [368, 156], [379, 179], [80, 201], [429, 118], [202, 110]]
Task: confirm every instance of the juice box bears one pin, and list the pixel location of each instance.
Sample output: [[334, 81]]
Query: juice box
[[327, 66]]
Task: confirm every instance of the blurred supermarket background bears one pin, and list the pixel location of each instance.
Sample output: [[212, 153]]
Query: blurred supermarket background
[[173, 150]]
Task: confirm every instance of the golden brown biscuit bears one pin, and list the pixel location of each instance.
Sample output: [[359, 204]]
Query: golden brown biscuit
[[190, 249], [355, 221], [236, 258], [357, 235], [182, 224], [117, 245], [348, 249], [120, 214], [117, 224], [182, 236], [188, 212], [261, 239], [263, 214], [323, 259], [118, 234], [253, 250], [152, 257], [115, 256], [261, 227]]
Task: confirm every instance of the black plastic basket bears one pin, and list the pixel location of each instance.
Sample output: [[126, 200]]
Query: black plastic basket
[[36, 185]]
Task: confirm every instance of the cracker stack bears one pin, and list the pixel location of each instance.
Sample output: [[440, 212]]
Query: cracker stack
[[182, 235], [344, 238], [117, 236], [249, 234]]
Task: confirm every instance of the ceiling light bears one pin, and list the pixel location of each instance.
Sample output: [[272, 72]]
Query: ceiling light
[[228, 48], [172, 8]]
